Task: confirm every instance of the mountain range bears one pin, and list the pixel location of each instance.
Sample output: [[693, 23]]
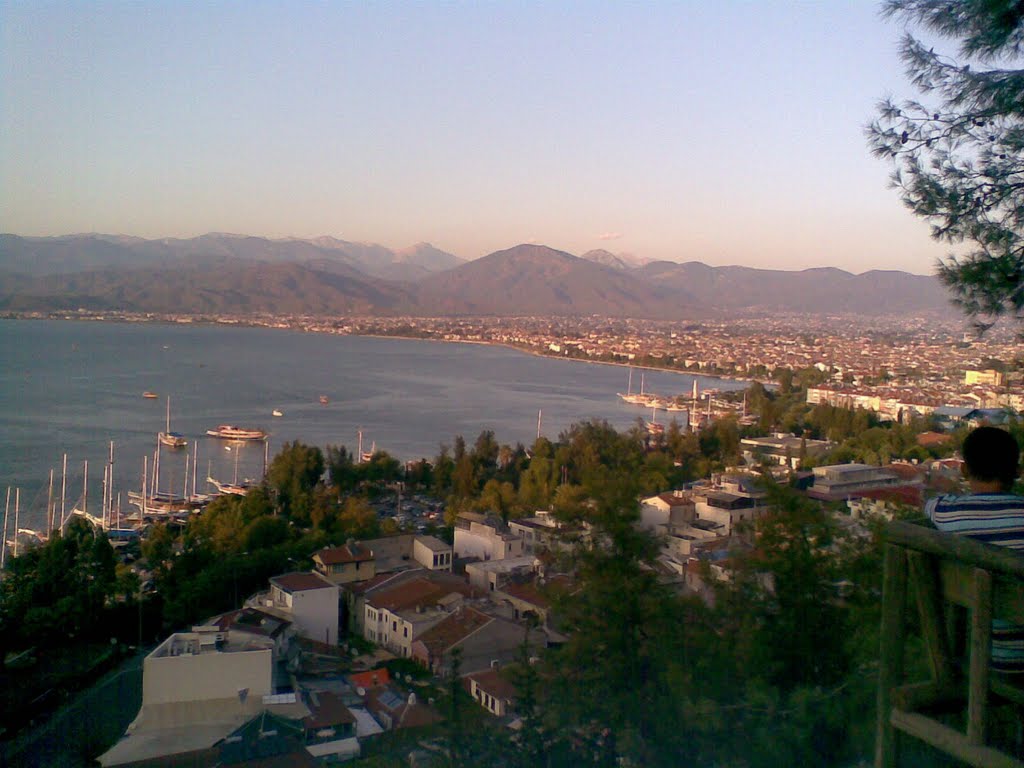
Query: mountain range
[[239, 274]]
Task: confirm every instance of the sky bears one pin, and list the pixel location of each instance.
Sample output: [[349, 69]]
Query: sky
[[722, 132]]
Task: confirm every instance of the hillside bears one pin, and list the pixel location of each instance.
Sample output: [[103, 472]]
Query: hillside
[[537, 280]]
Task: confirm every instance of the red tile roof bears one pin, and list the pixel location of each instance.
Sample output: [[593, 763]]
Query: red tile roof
[[494, 682], [373, 678], [452, 629], [419, 591], [344, 554], [301, 581]]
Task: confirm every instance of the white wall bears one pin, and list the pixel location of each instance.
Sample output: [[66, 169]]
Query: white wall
[[210, 675], [315, 614]]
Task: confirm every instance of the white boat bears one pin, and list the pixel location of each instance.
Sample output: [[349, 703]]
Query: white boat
[[230, 432], [276, 412], [168, 438]]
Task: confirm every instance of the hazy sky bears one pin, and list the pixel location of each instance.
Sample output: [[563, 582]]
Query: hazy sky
[[724, 132]]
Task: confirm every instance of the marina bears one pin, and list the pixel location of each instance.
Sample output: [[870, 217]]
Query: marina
[[72, 387]]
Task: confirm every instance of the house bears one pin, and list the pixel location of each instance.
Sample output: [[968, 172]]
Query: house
[[396, 616], [728, 501], [363, 560], [483, 640], [493, 691], [341, 565], [543, 533], [785, 450], [492, 574], [329, 730], [307, 599], [395, 711], [252, 623], [657, 513], [485, 538]]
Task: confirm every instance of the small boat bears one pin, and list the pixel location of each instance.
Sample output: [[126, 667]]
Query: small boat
[[230, 432], [323, 400], [150, 395], [276, 412]]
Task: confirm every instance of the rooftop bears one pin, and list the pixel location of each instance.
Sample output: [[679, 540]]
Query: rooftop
[[347, 553], [301, 581]]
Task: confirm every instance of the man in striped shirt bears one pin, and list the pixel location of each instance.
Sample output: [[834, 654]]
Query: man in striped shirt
[[991, 513]]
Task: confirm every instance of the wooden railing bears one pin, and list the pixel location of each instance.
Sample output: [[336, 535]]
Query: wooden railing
[[950, 573]]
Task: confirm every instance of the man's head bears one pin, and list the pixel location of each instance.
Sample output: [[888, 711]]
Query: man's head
[[991, 455]]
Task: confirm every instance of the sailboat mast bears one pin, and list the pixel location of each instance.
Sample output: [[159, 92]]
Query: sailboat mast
[[629, 384], [85, 488], [145, 475], [110, 487], [103, 500], [266, 453], [184, 491], [168, 427], [17, 504], [3, 541], [359, 456], [195, 461], [49, 507], [63, 490], [540, 414]]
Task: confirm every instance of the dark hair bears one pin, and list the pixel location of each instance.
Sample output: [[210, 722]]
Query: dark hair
[[992, 454]]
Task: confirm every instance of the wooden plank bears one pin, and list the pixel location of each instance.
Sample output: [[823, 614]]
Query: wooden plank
[[961, 548], [957, 580], [951, 741], [930, 609], [981, 651], [890, 668]]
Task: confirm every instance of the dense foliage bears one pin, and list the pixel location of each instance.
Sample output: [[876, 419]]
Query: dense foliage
[[959, 152]]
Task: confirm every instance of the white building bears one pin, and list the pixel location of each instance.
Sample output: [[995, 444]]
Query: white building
[[197, 687], [308, 600], [485, 538]]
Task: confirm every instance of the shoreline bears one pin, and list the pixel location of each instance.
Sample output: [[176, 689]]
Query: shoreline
[[525, 350]]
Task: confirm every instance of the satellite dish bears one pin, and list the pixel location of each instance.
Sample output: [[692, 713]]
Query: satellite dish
[[361, 691]]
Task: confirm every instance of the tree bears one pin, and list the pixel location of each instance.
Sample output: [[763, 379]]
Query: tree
[[959, 158], [293, 473]]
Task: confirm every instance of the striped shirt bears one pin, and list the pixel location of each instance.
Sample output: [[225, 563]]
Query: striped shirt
[[994, 518]]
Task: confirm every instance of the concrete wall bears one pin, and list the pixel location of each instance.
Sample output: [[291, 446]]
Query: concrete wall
[[315, 614], [210, 675]]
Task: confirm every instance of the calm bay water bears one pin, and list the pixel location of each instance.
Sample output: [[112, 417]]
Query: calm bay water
[[72, 387]]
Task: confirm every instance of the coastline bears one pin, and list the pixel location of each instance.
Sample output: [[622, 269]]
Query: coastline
[[290, 326]]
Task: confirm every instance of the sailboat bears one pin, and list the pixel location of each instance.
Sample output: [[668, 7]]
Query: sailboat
[[653, 427], [629, 397], [168, 438]]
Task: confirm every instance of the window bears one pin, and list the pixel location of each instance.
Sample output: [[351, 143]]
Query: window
[[405, 631], [394, 626]]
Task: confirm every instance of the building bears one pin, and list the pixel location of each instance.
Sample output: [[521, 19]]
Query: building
[[838, 482], [493, 574], [658, 513], [485, 538], [986, 378], [396, 616], [781, 449], [197, 687], [492, 690], [308, 600], [542, 533], [348, 563]]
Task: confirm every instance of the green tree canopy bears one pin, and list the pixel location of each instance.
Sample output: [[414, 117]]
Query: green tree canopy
[[958, 153]]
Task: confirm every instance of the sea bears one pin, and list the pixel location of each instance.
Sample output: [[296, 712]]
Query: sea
[[71, 388]]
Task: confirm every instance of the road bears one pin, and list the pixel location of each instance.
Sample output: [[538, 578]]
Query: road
[[85, 727]]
